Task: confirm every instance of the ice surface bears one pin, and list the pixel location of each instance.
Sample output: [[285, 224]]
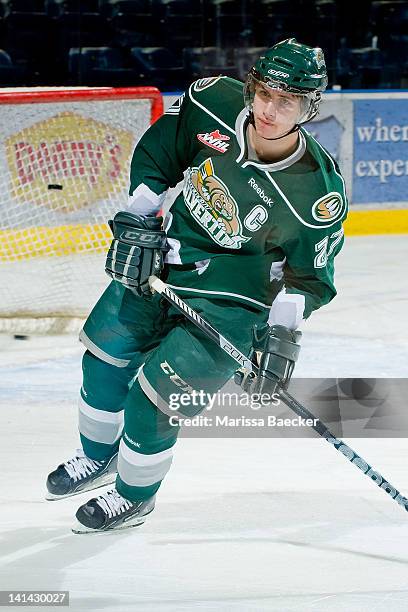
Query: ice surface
[[240, 524]]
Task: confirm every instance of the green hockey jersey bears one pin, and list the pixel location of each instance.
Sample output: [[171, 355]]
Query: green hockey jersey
[[241, 229]]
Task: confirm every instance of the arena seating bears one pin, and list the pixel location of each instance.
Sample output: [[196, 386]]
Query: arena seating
[[171, 42]]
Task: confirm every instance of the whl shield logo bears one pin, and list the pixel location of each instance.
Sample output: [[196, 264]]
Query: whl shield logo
[[215, 140]]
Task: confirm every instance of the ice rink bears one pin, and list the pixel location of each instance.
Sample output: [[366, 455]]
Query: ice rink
[[240, 524]]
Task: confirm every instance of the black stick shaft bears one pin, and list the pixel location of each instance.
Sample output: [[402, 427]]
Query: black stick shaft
[[318, 426]]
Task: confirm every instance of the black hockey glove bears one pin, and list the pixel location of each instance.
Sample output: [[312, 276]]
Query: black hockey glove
[[137, 250], [276, 350]]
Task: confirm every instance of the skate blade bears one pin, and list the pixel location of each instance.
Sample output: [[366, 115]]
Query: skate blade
[[81, 529], [101, 483]]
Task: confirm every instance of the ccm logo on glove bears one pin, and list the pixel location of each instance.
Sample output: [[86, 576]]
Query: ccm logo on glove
[[137, 251]]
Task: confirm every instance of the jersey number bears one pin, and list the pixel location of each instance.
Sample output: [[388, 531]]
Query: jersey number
[[323, 249]]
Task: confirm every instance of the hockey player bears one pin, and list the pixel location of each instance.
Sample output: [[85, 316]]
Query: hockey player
[[250, 241]]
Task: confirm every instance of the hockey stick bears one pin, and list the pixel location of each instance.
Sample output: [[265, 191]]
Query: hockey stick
[[319, 427]]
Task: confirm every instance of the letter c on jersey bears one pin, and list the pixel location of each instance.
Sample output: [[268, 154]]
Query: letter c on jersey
[[256, 218]]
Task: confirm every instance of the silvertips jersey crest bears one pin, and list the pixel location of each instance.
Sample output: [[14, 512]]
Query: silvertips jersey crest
[[210, 203]]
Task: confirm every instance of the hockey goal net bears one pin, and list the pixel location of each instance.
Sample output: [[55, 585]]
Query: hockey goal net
[[64, 159]]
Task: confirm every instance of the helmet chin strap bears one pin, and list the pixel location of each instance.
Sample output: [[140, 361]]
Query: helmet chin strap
[[294, 129]]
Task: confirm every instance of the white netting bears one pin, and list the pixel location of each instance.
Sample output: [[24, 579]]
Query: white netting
[[64, 172]]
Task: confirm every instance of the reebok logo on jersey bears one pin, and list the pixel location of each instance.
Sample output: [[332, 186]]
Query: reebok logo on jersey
[[328, 208], [260, 192], [215, 140]]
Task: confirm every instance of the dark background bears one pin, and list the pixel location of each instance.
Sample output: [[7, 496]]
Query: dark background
[[169, 43]]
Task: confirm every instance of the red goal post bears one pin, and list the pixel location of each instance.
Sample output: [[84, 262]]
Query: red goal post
[[64, 171], [84, 94]]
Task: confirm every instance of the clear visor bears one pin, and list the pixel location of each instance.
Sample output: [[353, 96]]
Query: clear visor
[[308, 101]]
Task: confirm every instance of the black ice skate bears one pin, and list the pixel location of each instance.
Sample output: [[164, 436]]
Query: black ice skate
[[111, 511], [80, 474]]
